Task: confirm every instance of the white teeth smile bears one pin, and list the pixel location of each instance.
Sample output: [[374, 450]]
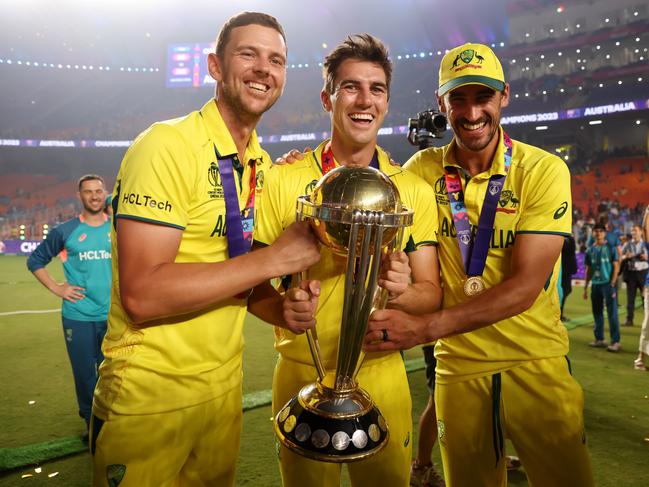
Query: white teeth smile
[[362, 117], [257, 86], [473, 126]]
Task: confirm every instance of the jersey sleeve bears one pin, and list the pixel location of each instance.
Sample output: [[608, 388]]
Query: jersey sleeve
[[547, 204], [155, 181], [426, 220], [47, 250], [275, 210]]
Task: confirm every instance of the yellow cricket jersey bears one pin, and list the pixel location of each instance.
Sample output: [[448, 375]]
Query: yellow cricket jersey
[[535, 199], [284, 184], [169, 176]]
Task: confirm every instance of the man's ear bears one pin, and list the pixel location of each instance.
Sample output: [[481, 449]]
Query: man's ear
[[505, 96], [440, 102], [214, 66], [325, 98]]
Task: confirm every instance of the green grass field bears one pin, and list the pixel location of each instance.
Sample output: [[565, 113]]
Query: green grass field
[[37, 402]]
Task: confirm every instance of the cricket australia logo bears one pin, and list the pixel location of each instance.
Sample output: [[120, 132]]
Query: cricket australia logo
[[507, 198], [214, 178], [466, 57], [259, 181]]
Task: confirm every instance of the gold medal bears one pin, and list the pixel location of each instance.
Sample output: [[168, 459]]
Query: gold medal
[[473, 285]]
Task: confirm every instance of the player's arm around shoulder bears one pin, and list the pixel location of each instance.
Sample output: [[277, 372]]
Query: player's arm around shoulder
[[423, 162]]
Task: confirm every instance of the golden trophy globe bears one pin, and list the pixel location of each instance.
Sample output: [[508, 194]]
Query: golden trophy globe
[[357, 213]]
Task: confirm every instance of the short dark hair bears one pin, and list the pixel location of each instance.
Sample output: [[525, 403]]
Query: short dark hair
[[90, 177], [241, 20], [599, 226], [364, 47]]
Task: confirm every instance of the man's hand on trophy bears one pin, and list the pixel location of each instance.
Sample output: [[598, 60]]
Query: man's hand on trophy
[[295, 250], [300, 304], [395, 274], [292, 156], [391, 329]]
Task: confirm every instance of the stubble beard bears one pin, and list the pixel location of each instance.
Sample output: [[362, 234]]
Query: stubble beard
[[238, 107], [477, 145]]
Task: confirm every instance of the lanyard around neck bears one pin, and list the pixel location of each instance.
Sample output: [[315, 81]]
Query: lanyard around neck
[[474, 252], [239, 223]]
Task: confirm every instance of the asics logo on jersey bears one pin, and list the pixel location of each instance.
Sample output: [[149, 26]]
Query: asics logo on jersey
[[561, 210]]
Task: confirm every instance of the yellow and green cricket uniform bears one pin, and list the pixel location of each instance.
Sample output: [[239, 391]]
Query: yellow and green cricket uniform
[[509, 379], [383, 374], [183, 367]]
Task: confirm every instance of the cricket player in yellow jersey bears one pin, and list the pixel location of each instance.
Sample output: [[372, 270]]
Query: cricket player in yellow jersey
[[357, 81], [167, 407], [502, 371]]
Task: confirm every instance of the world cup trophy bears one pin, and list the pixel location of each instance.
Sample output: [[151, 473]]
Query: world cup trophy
[[357, 213]]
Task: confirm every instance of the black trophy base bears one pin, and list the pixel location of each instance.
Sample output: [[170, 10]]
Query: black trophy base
[[327, 426]]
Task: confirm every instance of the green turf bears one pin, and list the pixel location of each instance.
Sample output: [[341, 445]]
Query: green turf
[[34, 367]]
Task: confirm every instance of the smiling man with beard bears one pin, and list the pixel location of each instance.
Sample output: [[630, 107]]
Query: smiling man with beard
[[357, 75], [83, 244], [502, 371], [167, 407]]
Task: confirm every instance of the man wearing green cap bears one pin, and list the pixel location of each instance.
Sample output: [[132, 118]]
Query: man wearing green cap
[[502, 372]]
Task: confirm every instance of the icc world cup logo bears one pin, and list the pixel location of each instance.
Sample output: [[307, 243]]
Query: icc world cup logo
[[214, 178], [494, 187]]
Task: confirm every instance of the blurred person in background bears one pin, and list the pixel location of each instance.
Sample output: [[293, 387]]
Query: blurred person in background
[[635, 265], [602, 268], [568, 269], [168, 404], [83, 244], [640, 362]]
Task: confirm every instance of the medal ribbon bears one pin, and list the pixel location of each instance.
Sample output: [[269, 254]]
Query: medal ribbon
[[474, 257], [328, 162], [239, 224]]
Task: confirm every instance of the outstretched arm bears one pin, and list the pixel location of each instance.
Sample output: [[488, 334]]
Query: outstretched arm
[[512, 296], [153, 285]]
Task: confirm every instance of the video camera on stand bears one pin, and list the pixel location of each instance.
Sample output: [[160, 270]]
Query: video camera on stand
[[428, 125]]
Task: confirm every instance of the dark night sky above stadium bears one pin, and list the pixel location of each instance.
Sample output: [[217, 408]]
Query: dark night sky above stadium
[[138, 31]]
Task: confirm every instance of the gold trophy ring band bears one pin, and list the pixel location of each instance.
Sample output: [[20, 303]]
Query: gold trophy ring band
[[384, 335]]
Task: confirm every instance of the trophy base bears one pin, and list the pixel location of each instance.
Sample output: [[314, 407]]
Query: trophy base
[[331, 426]]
